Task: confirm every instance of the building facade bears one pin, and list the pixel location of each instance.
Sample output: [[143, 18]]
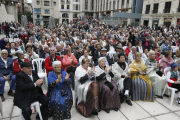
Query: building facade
[[61, 10], [113, 9], [161, 12]]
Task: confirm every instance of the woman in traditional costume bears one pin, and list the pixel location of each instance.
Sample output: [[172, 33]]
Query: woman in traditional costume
[[156, 76], [108, 90], [86, 89], [122, 78], [59, 93], [141, 84]]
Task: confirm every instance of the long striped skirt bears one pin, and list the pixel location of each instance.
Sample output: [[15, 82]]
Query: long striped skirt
[[140, 91]]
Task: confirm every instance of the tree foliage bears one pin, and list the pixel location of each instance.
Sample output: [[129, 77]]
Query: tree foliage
[[28, 14]]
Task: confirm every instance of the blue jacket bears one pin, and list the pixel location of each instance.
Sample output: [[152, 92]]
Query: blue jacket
[[9, 70], [2, 44]]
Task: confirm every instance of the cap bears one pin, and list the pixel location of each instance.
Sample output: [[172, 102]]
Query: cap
[[103, 49], [119, 47], [26, 64]]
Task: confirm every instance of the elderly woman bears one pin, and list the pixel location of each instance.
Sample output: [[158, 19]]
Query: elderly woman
[[19, 61], [154, 74], [167, 60], [85, 55], [59, 93], [108, 90], [141, 84], [70, 63], [12, 51], [86, 89], [20, 47], [30, 54], [145, 55], [122, 78]]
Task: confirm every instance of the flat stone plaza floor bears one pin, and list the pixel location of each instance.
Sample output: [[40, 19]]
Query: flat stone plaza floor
[[158, 110]]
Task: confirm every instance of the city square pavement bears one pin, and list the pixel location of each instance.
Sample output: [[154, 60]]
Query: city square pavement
[[158, 110]]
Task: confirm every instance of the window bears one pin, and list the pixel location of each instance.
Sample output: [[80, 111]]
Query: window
[[46, 11], [76, 7], [167, 7], [75, 0], [65, 15], [75, 15], [54, 3], [86, 4], [62, 6], [92, 5], [179, 7], [155, 10], [46, 3], [67, 6], [122, 4], [38, 16], [147, 9], [37, 2]]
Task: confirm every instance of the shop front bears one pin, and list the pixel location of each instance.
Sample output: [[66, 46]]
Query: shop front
[[167, 22]]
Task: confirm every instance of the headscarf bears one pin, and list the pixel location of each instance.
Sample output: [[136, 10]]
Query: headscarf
[[173, 65]]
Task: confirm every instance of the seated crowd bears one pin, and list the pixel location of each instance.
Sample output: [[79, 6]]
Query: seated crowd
[[104, 66]]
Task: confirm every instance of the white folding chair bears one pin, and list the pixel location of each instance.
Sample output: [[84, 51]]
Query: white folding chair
[[41, 73], [173, 90], [34, 104]]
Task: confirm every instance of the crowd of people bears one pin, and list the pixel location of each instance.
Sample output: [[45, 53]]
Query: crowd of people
[[104, 65]]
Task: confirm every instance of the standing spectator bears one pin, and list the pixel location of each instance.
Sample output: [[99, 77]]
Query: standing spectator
[[7, 28]]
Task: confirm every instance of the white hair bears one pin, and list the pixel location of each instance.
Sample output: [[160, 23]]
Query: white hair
[[151, 52], [53, 48], [4, 50], [56, 63], [100, 59]]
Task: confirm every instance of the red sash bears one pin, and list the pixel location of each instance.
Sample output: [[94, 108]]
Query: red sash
[[171, 83]]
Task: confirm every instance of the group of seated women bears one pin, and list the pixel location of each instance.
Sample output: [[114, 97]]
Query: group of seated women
[[105, 87]]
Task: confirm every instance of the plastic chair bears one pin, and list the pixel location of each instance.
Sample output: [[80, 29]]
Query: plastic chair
[[34, 104], [173, 90], [41, 73]]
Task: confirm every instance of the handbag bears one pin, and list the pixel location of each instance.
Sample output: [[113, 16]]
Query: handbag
[[71, 69]]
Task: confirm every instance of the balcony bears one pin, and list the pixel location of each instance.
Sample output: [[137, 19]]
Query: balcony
[[155, 11], [68, 2], [62, 1], [166, 10], [178, 9], [147, 11], [65, 10]]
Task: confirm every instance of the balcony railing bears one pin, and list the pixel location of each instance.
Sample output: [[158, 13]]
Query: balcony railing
[[166, 10], [147, 11], [68, 2], [154, 11]]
